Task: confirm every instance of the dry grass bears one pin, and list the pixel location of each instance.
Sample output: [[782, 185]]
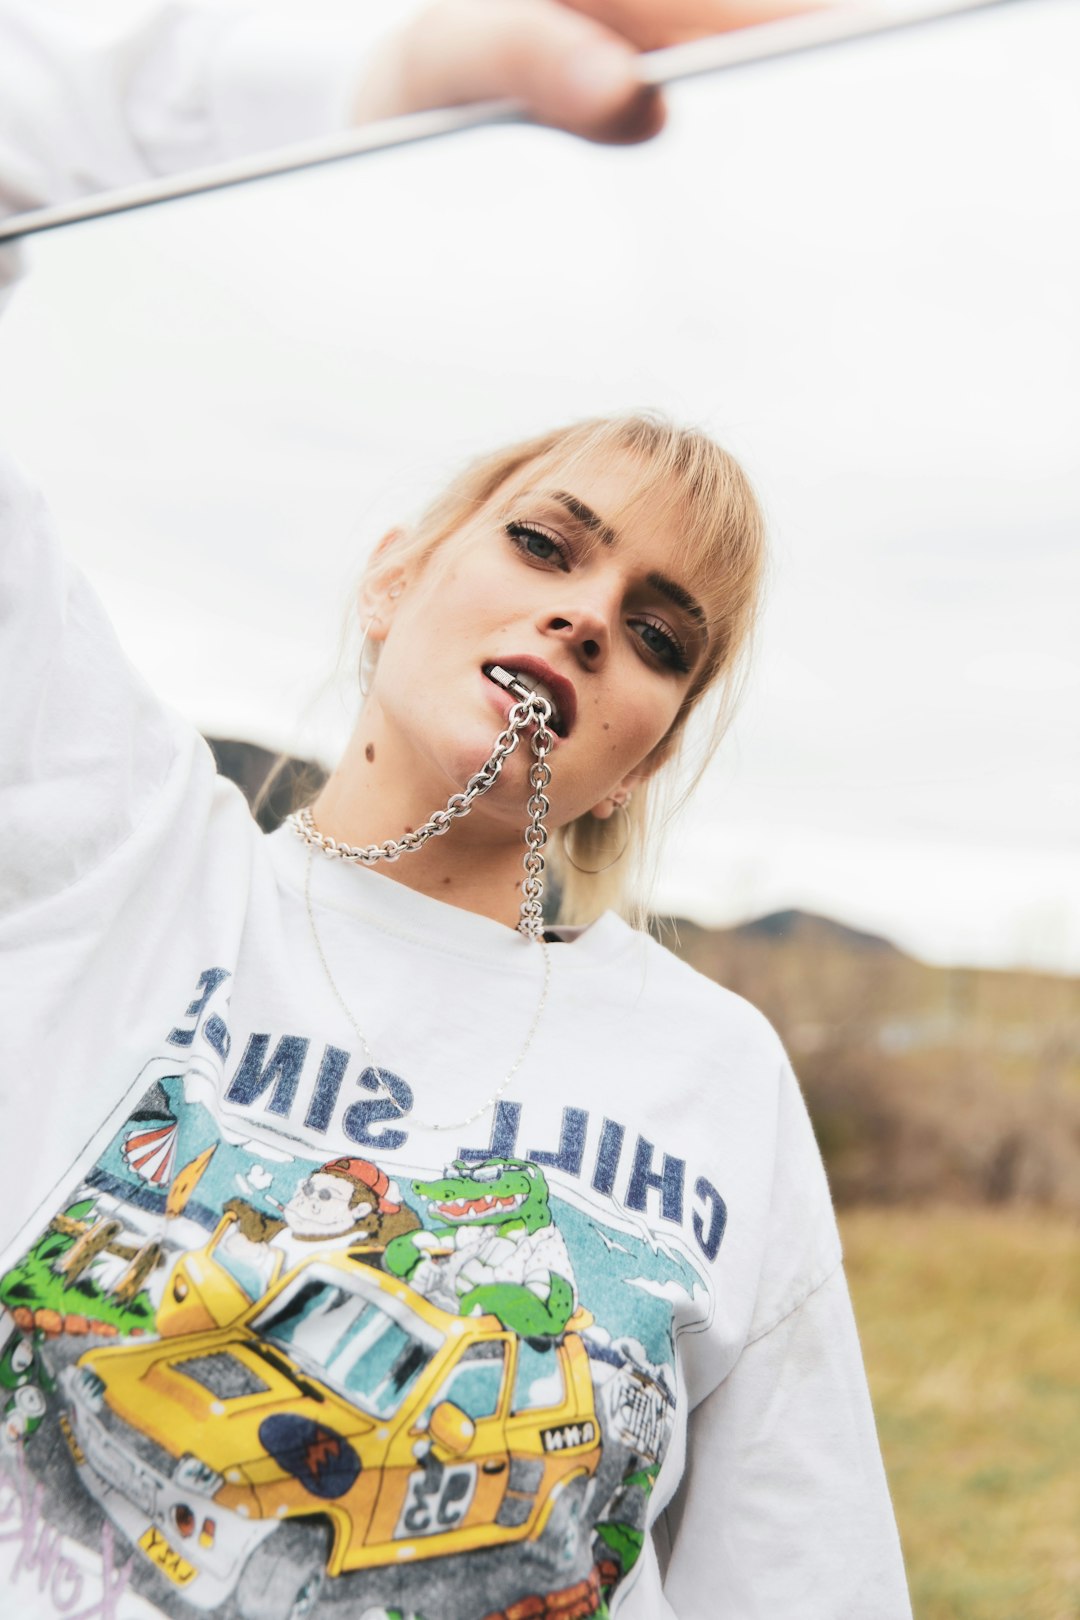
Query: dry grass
[[970, 1321]]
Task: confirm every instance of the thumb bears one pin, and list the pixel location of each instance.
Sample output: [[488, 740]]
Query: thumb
[[566, 69]]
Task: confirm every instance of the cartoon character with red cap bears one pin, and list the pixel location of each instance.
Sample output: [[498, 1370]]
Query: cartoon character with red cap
[[346, 1204]]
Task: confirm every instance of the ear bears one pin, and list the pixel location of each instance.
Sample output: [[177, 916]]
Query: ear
[[621, 792], [383, 584]]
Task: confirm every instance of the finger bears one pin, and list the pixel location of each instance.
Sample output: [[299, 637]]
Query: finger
[[649, 25], [566, 69]]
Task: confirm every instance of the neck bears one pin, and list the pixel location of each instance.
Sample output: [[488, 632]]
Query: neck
[[375, 794]]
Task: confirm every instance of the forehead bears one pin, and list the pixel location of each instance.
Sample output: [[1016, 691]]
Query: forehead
[[616, 484]]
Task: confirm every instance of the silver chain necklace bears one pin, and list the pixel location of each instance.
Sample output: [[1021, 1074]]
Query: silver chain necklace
[[531, 709]]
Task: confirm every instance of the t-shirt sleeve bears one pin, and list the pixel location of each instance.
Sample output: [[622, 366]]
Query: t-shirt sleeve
[[103, 96], [84, 744], [96, 97], [783, 1508]]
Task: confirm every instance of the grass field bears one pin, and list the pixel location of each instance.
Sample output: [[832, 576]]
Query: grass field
[[970, 1322]]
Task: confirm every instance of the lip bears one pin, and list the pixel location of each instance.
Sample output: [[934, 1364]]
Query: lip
[[561, 689]]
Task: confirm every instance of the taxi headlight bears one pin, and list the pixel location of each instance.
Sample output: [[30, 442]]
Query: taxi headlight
[[89, 1388], [195, 1475]]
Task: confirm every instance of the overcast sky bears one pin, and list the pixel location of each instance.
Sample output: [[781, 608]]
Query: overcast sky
[[858, 269]]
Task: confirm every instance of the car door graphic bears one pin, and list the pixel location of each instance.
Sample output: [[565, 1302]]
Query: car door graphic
[[447, 1465]]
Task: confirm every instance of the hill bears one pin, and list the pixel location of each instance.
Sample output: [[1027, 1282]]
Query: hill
[[923, 1082]]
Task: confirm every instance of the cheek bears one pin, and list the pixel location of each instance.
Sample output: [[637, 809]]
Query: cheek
[[453, 588], [435, 631], [627, 733]]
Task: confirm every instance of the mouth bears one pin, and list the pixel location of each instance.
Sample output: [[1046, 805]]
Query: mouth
[[540, 678], [462, 1209]]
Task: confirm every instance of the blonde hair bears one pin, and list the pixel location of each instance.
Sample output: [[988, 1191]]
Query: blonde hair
[[721, 545]]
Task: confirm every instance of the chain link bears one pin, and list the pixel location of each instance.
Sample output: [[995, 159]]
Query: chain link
[[532, 709]]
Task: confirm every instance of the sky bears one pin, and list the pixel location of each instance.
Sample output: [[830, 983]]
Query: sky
[[857, 269]]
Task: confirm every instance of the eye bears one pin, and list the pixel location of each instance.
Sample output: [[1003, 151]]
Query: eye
[[487, 1172], [662, 644], [538, 544]]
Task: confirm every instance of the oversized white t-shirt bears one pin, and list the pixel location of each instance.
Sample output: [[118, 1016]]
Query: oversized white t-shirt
[[269, 1345]]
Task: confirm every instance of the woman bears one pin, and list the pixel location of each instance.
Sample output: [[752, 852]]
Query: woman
[[427, 1262]]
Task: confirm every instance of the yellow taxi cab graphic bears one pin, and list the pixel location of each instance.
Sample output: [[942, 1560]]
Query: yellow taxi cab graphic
[[343, 1423]]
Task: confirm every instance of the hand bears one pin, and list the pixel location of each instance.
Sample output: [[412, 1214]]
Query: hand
[[570, 62], [426, 1278], [651, 24]]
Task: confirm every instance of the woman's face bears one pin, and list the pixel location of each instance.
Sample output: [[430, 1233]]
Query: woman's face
[[562, 579]]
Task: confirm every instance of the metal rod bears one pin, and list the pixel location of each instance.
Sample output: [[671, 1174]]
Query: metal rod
[[791, 36], [376, 137], [742, 47]]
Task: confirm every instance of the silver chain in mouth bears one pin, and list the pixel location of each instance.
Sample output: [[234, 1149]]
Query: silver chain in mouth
[[530, 709]]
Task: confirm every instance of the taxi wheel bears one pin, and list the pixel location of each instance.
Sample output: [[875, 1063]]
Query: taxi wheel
[[285, 1574], [564, 1532]]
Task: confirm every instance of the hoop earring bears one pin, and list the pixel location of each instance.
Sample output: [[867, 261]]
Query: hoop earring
[[364, 690], [591, 871]]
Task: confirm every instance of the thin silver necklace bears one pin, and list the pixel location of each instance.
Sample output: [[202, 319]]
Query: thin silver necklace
[[531, 709]]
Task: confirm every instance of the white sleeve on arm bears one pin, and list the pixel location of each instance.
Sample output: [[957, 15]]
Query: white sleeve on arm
[[783, 1509], [110, 94], [84, 744]]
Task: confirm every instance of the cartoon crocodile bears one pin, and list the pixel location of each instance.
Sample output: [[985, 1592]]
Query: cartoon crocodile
[[490, 1247]]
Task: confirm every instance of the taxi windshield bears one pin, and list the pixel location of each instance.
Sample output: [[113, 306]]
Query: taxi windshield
[[369, 1354]]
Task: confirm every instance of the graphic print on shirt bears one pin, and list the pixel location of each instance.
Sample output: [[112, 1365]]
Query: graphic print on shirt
[[252, 1382]]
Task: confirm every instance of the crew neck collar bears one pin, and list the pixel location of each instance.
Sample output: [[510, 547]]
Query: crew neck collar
[[383, 903]]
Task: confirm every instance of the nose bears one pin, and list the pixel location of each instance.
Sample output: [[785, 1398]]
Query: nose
[[584, 629]]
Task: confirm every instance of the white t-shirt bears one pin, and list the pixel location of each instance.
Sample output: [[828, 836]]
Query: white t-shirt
[[596, 1349]]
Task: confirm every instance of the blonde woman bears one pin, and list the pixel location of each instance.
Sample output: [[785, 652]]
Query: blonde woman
[[384, 1244]]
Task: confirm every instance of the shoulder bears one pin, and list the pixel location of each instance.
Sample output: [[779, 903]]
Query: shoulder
[[699, 1002]]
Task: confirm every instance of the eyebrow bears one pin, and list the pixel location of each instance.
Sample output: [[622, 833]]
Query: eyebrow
[[680, 596], [586, 517], [660, 582]]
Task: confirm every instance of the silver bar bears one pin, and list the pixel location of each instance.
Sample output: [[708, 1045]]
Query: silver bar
[[742, 47], [790, 36], [503, 677], [376, 137]]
